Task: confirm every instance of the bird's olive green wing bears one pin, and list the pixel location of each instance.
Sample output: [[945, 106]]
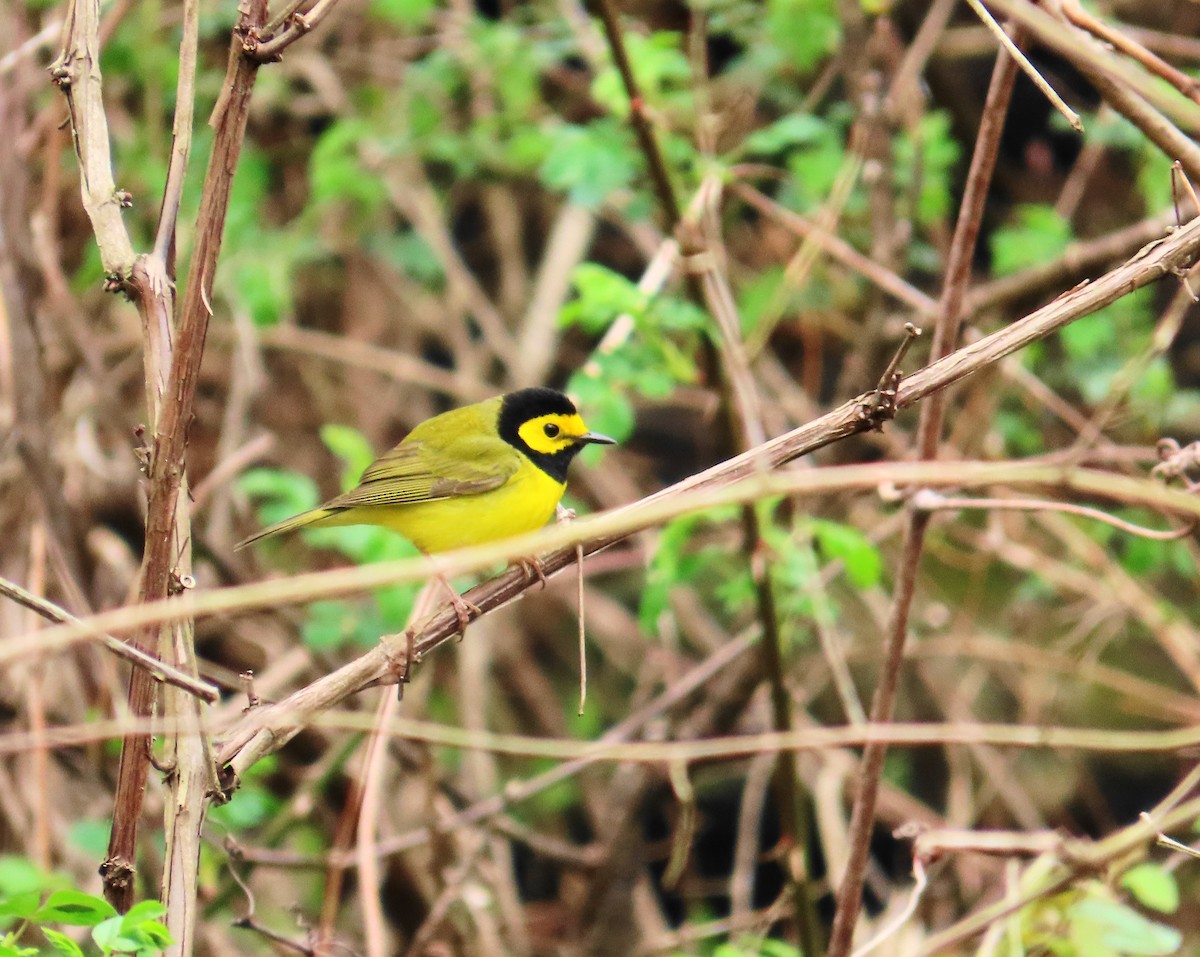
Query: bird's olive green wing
[[425, 471]]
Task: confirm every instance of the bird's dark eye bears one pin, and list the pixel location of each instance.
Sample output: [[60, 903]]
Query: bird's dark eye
[[551, 430]]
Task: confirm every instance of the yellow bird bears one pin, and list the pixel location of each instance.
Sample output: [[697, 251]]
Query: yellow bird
[[478, 474]]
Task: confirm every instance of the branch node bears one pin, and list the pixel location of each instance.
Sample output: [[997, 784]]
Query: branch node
[[878, 405], [117, 873], [60, 75], [141, 451], [1176, 461], [402, 669], [228, 782], [251, 40], [177, 584], [927, 500], [252, 698]]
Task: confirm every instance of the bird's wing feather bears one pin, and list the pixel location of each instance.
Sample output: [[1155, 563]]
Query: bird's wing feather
[[416, 471]]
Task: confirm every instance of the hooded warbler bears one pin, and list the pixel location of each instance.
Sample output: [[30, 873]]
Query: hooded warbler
[[469, 476]]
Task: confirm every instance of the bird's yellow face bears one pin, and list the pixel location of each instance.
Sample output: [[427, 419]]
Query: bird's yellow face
[[553, 433], [546, 428]]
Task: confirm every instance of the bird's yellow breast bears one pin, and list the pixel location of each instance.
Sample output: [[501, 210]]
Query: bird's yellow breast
[[524, 503]]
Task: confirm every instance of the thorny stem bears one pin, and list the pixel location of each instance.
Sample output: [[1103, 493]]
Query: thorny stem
[[945, 337]]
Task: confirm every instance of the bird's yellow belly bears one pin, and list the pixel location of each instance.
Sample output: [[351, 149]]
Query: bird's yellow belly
[[523, 504]]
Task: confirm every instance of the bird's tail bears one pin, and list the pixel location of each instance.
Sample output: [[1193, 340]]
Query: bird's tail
[[311, 517]]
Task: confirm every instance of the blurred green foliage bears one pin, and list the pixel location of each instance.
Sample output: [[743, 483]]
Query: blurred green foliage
[[1091, 920], [31, 901]]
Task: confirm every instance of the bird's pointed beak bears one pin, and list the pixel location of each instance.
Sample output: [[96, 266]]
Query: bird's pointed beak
[[594, 438]]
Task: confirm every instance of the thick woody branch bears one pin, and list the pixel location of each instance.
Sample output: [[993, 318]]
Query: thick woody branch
[[160, 576], [929, 428], [76, 70]]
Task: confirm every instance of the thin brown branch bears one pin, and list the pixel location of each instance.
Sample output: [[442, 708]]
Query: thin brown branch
[[791, 800], [1029, 69], [1076, 259], [1174, 144], [1083, 51], [945, 338], [139, 659], [838, 249], [188, 755], [722, 485], [1131, 48], [688, 749], [708, 285], [929, 501], [639, 117], [270, 48], [1083, 858], [181, 136]]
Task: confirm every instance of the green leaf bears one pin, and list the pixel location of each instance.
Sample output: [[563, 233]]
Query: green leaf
[[336, 170], [90, 835], [107, 933], [352, 447], [864, 565], [250, 807], [600, 296], [1097, 924], [806, 31], [661, 69], [408, 251], [406, 14], [21, 906], [144, 916], [62, 943], [395, 605], [330, 625], [10, 948], [795, 129], [285, 493], [607, 410], [74, 908], [1153, 886], [1154, 176], [815, 168], [589, 162], [778, 948], [1038, 235], [516, 62], [928, 155], [677, 560], [19, 874], [137, 932]]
